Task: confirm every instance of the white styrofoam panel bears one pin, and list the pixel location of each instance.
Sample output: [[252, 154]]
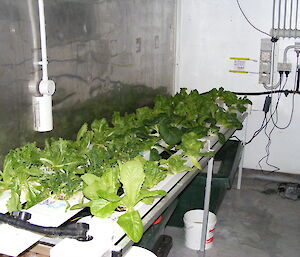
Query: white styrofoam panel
[[49, 212]]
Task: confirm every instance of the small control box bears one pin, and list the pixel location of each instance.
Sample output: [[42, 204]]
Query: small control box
[[265, 61]]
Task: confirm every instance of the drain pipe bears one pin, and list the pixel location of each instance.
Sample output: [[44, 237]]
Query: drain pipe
[[42, 105]]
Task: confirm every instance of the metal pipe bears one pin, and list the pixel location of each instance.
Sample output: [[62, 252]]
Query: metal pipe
[[206, 204], [241, 164], [291, 15], [44, 62], [296, 20], [285, 52], [273, 18], [285, 6], [279, 13]]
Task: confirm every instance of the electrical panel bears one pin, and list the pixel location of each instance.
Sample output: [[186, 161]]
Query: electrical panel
[[265, 61]]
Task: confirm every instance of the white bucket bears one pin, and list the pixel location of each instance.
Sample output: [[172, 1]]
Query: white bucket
[[193, 229], [136, 251]]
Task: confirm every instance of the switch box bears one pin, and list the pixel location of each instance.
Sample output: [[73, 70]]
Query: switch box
[[281, 66], [266, 56], [264, 78], [265, 67], [265, 61]]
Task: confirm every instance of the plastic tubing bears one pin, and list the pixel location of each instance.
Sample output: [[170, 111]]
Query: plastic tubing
[[76, 230]]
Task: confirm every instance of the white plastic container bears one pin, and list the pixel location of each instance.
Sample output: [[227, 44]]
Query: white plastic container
[[193, 229], [136, 251]]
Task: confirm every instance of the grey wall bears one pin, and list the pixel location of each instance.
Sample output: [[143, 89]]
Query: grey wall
[[104, 55]]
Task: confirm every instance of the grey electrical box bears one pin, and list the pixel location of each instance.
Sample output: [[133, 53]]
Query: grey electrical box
[[265, 61]]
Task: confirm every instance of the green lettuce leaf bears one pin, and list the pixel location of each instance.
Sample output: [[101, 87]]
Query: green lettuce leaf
[[132, 177], [102, 208], [132, 224]]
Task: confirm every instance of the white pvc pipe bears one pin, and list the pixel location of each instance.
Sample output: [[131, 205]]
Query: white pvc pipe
[[42, 106], [279, 14], [34, 82], [44, 62], [273, 18], [296, 20], [285, 52], [291, 15], [284, 22]]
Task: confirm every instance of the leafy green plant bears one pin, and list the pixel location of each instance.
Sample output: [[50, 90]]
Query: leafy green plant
[[104, 199], [106, 159]]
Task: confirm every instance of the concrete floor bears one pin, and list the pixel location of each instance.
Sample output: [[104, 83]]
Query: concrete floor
[[251, 223]]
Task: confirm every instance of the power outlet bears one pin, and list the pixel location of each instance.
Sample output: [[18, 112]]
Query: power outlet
[[265, 67], [281, 66], [265, 61], [264, 78]]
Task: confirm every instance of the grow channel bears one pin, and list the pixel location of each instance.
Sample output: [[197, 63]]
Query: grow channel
[[116, 167]]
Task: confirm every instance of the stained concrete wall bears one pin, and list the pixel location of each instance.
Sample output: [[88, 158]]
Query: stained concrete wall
[[104, 56]]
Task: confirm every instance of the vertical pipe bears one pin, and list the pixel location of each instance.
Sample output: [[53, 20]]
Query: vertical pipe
[[34, 81], [239, 182], [206, 204], [273, 18], [279, 14], [291, 15], [296, 20], [178, 32], [284, 22], [43, 40]]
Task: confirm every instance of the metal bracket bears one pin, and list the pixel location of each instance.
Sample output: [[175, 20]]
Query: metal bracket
[[206, 202]]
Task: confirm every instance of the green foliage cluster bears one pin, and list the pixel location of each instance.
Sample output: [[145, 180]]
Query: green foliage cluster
[[105, 160]]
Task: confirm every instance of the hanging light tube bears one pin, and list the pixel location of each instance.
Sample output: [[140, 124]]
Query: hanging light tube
[[42, 105]]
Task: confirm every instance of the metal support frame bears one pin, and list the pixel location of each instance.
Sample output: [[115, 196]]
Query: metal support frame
[[206, 204], [239, 182]]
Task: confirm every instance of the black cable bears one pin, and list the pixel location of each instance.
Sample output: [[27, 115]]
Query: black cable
[[238, 3], [76, 230], [293, 104], [236, 138], [267, 148], [277, 103], [298, 79], [266, 109], [256, 133], [268, 92], [286, 92]]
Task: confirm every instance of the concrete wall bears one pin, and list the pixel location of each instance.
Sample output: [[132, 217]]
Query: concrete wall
[[105, 56], [212, 31]]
